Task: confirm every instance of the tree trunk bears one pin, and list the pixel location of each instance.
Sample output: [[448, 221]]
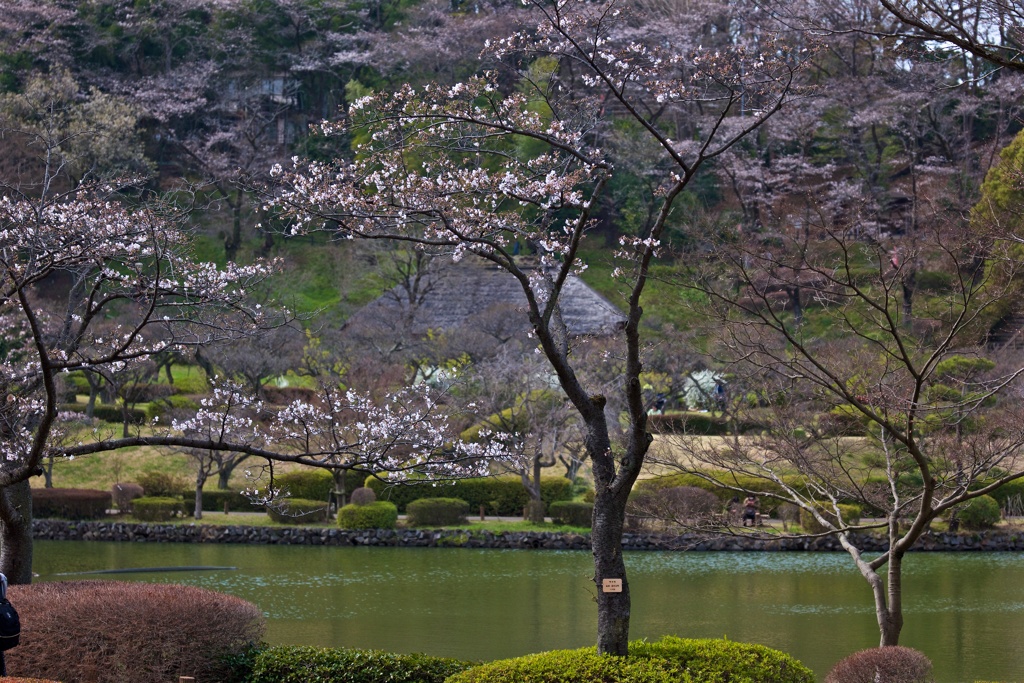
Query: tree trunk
[[535, 506], [200, 480], [892, 625], [613, 608], [16, 532]]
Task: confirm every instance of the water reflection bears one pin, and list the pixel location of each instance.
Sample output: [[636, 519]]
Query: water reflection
[[964, 610]]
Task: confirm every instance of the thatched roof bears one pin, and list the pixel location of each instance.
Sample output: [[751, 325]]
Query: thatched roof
[[456, 293]]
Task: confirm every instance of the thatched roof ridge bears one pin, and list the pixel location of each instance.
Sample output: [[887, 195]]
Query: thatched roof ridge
[[459, 291]]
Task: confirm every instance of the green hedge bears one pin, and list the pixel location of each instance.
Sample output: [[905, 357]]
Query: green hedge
[[979, 513], [670, 660], [572, 513], [156, 509], [503, 496], [1009, 490], [71, 503], [378, 515], [214, 500], [298, 511], [305, 664], [437, 512], [316, 484]]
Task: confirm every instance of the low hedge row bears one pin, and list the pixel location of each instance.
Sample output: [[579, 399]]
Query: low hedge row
[[377, 515], [214, 500], [156, 509], [572, 513], [317, 484], [71, 503], [504, 496], [670, 660], [437, 512], [305, 664]]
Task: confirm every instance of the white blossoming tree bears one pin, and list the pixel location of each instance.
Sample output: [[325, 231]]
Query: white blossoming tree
[[90, 281], [485, 167]]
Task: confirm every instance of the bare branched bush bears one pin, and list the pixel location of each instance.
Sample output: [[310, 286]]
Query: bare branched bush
[[894, 664], [116, 632], [686, 506]]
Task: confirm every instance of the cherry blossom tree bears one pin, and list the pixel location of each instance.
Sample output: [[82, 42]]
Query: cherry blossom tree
[[94, 279], [477, 167]]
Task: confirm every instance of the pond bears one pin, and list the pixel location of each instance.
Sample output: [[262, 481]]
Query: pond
[[964, 610]]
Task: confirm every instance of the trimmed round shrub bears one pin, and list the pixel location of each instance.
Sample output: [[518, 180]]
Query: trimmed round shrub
[[670, 660], [123, 495], [437, 512], [850, 515], [362, 496], [378, 515], [298, 511], [572, 513], [300, 664], [894, 664], [979, 513], [70, 503], [156, 509], [112, 631]]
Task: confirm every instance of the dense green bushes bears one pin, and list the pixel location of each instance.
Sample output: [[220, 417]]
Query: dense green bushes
[[670, 660], [298, 511], [503, 496], [980, 513], [70, 503], [572, 513], [317, 484], [437, 512], [156, 509], [301, 664], [162, 484], [377, 515]]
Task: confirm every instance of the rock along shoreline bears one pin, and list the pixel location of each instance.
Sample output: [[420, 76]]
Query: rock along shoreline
[[998, 540]]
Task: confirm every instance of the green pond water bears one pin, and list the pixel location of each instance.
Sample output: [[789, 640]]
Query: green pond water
[[964, 610]]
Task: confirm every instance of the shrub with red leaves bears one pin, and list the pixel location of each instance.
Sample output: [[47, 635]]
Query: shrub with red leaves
[[894, 664], [115, 632]]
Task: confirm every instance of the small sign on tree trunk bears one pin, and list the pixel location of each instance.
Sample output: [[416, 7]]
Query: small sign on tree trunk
[[611, 585]]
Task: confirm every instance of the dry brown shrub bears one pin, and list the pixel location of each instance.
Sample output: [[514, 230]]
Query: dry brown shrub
[[893, 664], [12, 679], [124, 493], [122, 632]]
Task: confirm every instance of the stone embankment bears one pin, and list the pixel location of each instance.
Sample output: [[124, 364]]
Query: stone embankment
[[45, 529]]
